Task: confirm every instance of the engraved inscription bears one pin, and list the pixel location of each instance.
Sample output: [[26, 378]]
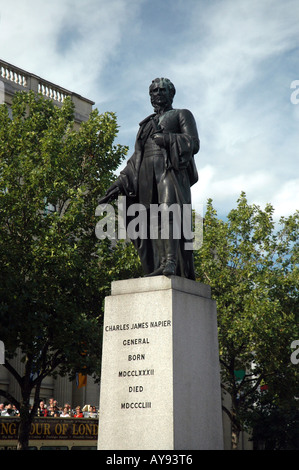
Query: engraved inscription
[[137, 353], [136, 357], [132, 342]]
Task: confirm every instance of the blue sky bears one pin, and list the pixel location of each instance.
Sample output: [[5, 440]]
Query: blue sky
[[232, 63]]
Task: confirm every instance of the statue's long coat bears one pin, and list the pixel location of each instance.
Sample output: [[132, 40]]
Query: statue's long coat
[[180, 125]]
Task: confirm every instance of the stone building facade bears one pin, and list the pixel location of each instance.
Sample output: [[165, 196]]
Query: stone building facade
[[13, 79]]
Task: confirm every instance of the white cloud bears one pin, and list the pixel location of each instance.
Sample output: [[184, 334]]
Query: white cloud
[[67, 42], [232, 63], [248, 129], [286, 199], [221, 187]]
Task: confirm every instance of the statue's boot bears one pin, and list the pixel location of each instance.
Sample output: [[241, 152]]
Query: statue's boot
[[159, 270], [171, 257]]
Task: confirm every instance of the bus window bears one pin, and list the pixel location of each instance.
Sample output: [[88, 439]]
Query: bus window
[[54, 448], [84, 448]]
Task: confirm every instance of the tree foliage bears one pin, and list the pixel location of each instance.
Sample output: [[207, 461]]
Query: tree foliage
[[252, 268], [53, 269]]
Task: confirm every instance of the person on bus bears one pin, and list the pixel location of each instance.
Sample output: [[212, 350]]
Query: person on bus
[[78, 413]]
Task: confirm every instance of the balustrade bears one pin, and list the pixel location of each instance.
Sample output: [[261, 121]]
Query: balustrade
[[13, 74], [20, 77], [51, 91], [15, 78]]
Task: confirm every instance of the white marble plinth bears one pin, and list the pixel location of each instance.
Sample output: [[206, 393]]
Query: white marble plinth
[[160, 383]]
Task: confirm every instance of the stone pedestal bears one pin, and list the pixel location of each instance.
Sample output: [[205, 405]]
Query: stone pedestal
[[160, 383]]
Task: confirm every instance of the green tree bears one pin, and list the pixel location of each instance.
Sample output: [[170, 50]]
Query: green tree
[[275, 425], [53, 269], [252, 268]]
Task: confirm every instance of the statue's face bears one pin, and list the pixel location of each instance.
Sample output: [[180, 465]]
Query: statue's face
[[160, 94]]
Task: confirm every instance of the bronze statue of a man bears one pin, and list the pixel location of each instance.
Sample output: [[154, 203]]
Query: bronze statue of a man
[[161, 172]]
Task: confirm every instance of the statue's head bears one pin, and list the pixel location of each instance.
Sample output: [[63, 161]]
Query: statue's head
[[161, 92]]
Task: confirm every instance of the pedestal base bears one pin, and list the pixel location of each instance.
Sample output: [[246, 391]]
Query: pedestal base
[[160, 383]]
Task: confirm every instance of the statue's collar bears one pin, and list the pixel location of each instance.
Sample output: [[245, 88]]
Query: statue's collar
[[155, 114], [147, 119], [162, 111]]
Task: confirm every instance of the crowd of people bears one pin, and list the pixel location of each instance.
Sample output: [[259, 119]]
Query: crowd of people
[[53, 410], [8, 410]]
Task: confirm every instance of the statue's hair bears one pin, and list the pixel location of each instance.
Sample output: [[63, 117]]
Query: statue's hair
[[167, 83]]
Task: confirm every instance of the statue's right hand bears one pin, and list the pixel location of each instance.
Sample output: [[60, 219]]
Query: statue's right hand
[[113, 190]]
